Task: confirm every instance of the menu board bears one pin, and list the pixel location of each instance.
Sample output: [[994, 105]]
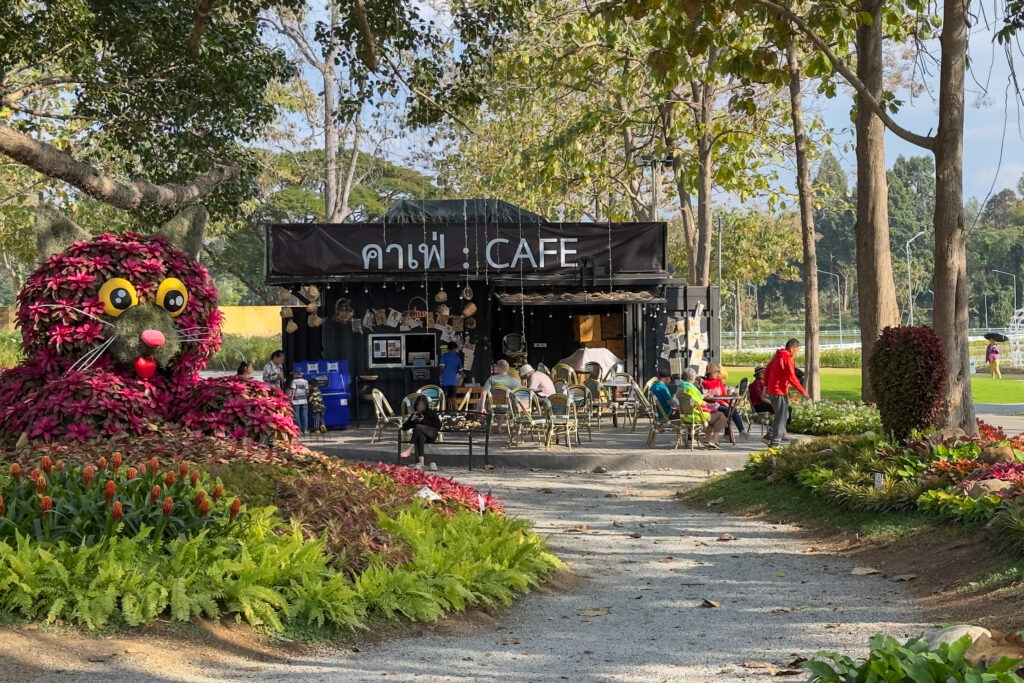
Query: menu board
[[386, 350]]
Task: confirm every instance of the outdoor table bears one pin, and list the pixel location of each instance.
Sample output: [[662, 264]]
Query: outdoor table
[[616, 398], [731, 398], [468, 422]]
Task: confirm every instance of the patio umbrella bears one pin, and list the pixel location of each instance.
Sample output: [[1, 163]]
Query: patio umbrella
[[603, 357], [997, 337]]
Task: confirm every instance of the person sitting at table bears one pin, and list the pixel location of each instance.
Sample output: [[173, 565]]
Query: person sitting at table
[[500, 378], [663, 395], [537, 382], [758, 402], [714, 386], [716, 421], [425, 424]]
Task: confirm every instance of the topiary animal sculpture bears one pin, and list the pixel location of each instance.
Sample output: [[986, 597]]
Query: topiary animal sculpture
[[115, 330]]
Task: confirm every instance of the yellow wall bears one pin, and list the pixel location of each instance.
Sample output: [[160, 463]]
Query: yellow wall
[[252, 321], [245, 321]]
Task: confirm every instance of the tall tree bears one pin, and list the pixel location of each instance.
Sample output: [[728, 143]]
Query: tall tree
[[812, 321]]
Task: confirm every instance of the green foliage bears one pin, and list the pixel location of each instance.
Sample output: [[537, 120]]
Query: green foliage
[[1007, 527], [256, 482], [830, 358], [908, 377], [834, 417], [235, 348], [962, 508], [10, 349], [913, 661]]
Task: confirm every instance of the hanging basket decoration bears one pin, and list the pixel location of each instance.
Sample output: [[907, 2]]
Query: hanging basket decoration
[[443, 310], [312, 291], [441, 297], [314, 320], [291, 327], [343, 311], [285, 296], [470, 323], [467, 292], [469, 310], [456, 322], [412, 311], [286, 312], [311, 307]]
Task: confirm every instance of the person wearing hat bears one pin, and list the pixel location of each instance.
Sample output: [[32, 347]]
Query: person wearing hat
[[536, 381], [758, 402]]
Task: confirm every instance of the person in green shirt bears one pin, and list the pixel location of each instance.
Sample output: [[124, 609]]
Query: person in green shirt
[[714, 421]]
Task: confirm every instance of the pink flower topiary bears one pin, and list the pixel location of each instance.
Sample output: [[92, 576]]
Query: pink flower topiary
[[90, 371]]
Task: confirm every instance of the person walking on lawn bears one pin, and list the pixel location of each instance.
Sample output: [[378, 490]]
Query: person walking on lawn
[[992, 356], [779, 377]]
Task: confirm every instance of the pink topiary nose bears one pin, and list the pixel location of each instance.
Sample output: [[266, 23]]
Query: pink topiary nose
[[153, 338]]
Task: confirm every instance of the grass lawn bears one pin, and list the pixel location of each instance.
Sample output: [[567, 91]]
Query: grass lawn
[[844, 383], [738, 492]]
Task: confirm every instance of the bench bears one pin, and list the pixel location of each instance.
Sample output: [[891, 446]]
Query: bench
[[468, 422]]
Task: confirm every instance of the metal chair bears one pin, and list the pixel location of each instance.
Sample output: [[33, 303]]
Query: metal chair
[[435, 395], [563, 420], [620, 396], [565, 375], [512, 372], [593, 371], [530, 418], [498, 405], [600, 401], [580, 397], [662, 422], [386, 418], [692, 419]]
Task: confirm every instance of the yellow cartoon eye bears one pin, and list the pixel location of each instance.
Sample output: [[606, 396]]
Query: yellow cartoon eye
[[117, 295], [172, 296]]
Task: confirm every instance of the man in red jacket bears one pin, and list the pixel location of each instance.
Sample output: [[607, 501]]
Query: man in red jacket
[[779, 377]]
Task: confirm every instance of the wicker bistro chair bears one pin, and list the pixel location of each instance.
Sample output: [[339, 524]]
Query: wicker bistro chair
[[499, 406], [593, 371], [530, 418], [641, 406], [563, 420], [600, 402], [580, 397], [662, 422], [435, 395], [386, 418], [692, 419], [563, 375]]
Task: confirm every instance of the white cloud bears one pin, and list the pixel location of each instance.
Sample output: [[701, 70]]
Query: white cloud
[[1005, 176]]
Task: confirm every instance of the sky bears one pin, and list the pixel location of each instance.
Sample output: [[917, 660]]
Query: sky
[[992, 108]]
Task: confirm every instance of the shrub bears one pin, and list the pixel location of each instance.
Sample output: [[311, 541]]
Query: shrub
[[829, 358], [891, 661], [10, 349], [827, 417], [908, 378], [960, 507], [1007, 527], [84, 505], [235, 348]]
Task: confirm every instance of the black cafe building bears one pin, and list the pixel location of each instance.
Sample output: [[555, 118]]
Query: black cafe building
[[500, 281]]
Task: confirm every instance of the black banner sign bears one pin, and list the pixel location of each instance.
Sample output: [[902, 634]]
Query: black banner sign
[[313, 250]]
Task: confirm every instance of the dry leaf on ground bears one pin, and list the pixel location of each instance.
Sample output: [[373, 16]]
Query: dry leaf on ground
[[509, 641], [593, 612], [727, 537], [617, 523], [667, 559], [577, 528], [635, 534], [904, 577], [716, 501], [710, 603], [863, 571]]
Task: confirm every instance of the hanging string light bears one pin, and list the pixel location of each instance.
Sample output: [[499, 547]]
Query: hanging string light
[[610, 286], [426, 247], [522, 294]]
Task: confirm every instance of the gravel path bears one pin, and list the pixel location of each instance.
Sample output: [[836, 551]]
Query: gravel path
[[652, 588], [634, 614]]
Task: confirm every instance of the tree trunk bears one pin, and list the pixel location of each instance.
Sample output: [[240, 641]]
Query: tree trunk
[[950, 302], [330, 148], [704, 95], [875, 286], [682, 191], [812, 321], [738, 318]]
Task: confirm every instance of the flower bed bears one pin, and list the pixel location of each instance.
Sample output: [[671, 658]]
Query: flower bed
[[826, 417], [119, 541]]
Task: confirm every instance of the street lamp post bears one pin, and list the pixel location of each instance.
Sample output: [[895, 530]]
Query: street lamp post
[[910, 286], [1003, 272], [839, 302]]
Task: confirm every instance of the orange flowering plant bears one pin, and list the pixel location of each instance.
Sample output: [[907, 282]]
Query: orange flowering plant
[[84, 504]]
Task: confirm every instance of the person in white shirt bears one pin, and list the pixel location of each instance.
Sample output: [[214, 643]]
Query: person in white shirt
[[501, 378], [299, 394]]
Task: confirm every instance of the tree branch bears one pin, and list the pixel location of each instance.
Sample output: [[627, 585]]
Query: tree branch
[[369, 44], [924, 141], [53, 163], [200, 18]]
